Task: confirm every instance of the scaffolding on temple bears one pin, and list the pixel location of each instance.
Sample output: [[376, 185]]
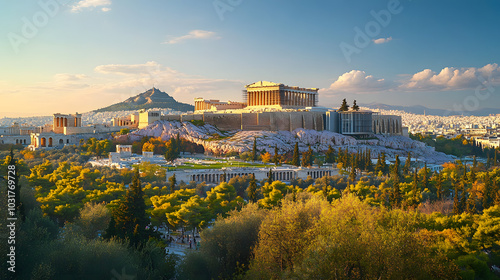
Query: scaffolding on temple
[[244, 95]]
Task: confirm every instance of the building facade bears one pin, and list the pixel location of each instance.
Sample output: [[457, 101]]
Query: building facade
[[387, 124], [215, 176], [62, 121], [201, 104], [148, 117], [131, 121], [265, 93], [362, 123]]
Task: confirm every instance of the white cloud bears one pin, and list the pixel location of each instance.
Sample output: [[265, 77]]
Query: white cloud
[[194, 34], [450, 78], [136, 78], [65, 77], [113, 83], [356, 81], [382, 40], [91, 4]]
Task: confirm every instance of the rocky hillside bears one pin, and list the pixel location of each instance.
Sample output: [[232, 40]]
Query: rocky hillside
[[153, 98], [216, 141]]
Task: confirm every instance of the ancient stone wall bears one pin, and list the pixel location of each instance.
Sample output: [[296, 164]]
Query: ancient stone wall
[[171, 118], [223, 121]]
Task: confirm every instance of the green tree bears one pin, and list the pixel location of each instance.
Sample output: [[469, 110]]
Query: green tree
[[355, 106], [344, 107], [425, 177], [130, 216], [173, 149], [330, 155], [222, 199], [396, 190], [276, 157], [407, 166], [352, 174], [270, 176], [307, 157], [252, 189], [124, 131], [296, 156], [94, 219], [227, 246], [173, 183], [439, 186], [254, 150]]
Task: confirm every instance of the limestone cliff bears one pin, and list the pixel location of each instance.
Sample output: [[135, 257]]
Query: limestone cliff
[[222, 142]]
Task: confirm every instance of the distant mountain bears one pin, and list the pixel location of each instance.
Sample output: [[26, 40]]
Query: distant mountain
[[420, 110], [153, 98]]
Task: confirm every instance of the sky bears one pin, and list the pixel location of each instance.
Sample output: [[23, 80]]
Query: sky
[[66, 56]]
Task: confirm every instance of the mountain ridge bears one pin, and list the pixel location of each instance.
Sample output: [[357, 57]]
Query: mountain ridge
[[420, 110], [152, 98]]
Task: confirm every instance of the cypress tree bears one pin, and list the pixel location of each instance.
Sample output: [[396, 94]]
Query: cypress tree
[[254, 150], [384, 164], [344, 107], [307, 157], [456, 202], [355, 106], [130, 216], [296, 157], [439, 186], [396, 191], [472, 176], [415, 189], [252, 189], [487, 191], [378, 167], [173, 182], [425, 180], [352, 174], [395, 168], [464, 189], [488, 161], [407, 166], [471, 203], [276, 155], [329, 155], [369, 164], [111, 230]]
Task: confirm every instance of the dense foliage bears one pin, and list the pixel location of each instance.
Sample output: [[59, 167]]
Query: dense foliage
[[371, 222]]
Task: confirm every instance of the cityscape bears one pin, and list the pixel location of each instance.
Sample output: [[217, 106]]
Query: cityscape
[[247, 140]]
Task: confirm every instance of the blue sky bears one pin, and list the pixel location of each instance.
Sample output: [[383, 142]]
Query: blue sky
[[84, 55]]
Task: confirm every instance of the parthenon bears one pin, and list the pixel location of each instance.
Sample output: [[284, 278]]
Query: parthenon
[[265, 93]]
